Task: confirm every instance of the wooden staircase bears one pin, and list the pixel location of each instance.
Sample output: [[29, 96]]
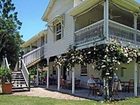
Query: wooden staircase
[[20, 77], [18, 81]]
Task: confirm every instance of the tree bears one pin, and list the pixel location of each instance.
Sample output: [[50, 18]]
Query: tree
[[10, 38]]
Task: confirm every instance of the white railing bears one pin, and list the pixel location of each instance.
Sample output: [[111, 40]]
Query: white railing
[[34, 55], [89, 33], [116, 30], [123, 32], [25, 73], [5, 63]]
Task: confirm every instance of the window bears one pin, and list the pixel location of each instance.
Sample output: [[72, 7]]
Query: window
[[58, 31], [83, 70]]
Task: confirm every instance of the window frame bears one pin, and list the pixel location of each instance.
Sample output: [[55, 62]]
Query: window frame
[[58, 31]]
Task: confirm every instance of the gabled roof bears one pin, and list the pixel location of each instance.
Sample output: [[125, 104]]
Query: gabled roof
[[34, 38], [48, 10], [130, 5]]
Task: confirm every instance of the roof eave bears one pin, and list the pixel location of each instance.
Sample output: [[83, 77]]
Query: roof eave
[[47, 11], [33, 39], [89, 3]]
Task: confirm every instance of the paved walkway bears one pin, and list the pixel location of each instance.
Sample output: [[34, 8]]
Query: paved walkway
[[41, 92]]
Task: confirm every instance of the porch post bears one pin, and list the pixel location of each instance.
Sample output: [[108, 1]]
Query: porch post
[[106, 19], [135, 79], [31, 47], [48, 73], [58, 79], [135, 63], [135, 27], [73, 80], [37, 78]]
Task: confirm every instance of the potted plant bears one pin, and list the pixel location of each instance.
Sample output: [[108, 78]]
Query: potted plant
[[5, 75]]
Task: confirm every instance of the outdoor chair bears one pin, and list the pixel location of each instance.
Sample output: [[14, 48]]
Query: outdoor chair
[[131, 85], [95, 89], [62, 83], [128, 86], [77, 83]]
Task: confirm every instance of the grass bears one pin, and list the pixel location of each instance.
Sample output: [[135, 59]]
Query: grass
[[25, 100]]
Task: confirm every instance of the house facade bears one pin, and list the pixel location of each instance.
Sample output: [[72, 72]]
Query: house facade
[[84, 23]]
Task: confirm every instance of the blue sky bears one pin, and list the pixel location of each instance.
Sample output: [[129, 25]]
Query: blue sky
[[30, 13]]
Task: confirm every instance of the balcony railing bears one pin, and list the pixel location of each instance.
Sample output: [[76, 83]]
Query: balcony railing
[[33, 56], [116, 30], [89, 33], [123, 32]]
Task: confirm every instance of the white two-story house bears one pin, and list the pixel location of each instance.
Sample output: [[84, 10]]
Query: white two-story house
[[84, 23]]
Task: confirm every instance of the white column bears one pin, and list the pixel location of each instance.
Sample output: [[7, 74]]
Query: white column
[[47, 73], [37, 77], [135, 79], [106, 19], [31, 47], [135, 27], [135, 64], [58, 79], [73, 80]]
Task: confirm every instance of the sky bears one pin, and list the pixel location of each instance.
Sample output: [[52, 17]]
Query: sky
[[30, 13]]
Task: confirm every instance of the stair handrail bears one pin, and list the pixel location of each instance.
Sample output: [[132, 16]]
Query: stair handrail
[[5, 63], [25, 73]]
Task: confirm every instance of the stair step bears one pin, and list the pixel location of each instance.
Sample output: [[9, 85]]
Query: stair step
[[16, 72], [22, 82], [19, 86], [18, 79], [20, 89]]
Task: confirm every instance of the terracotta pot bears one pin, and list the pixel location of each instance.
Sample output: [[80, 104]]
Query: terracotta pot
[[7, 88]]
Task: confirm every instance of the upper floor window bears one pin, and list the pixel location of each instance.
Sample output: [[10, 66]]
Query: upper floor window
[[58, 31]]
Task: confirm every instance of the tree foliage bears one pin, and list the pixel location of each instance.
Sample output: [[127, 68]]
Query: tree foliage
[[10, 38], [105, 57]]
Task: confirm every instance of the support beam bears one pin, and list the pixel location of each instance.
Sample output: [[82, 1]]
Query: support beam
[[47, 73], [58, 79], [37, 77], [135, 79], [135, 27], [31, 47], [135, 63], [73, 80], [106, 19]]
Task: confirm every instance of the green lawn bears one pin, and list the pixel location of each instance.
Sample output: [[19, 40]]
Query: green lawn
[[24, 100]]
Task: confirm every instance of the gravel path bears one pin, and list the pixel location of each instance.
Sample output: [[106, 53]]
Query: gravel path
[[40, 92]]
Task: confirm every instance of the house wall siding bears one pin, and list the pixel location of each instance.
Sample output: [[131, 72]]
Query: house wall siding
[[62, 45]]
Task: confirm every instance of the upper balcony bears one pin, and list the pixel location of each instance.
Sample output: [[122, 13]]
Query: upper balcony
[[94, 32], [35, 42], [90, 23]]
